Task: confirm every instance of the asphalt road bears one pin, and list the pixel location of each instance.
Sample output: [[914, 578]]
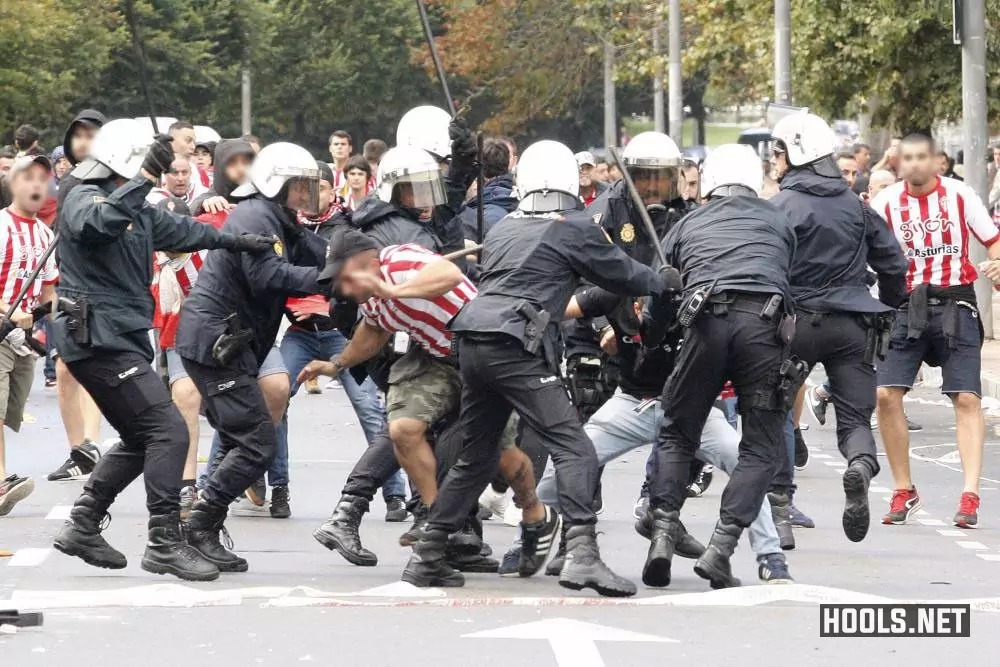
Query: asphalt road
[[301, 603]]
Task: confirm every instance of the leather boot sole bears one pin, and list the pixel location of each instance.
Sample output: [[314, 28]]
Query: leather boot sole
[[354, 558], [240, 565], [717, 578], [86, 555], [150, 565], [576, 582], [455, 580], [857, 515]]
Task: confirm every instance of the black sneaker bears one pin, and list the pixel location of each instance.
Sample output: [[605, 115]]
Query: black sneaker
[[701, 482], [801, 451], [511, 561], [395, 509], [773, 569], [257, 493], [280, 508], [81, 462], [536, 542]]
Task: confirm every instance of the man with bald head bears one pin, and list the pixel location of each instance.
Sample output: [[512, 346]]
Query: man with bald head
[[879, 180]]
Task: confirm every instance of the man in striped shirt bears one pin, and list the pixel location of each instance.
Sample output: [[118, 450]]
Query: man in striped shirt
[[23, 240], [412, 293], [934, 219]]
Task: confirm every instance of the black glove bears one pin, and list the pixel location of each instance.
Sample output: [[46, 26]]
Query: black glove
[[463, 140], [670, 278], [159, 157], [41, 311], [252, 243]]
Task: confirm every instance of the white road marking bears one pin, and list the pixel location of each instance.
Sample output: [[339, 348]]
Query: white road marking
[[952, 533], [835, 464], [945, 460], [878, 489], [993, 558], [820, 456], [966, 544], [922, 513], [59, 513], [931, 522], [572, 642], [28, 557]]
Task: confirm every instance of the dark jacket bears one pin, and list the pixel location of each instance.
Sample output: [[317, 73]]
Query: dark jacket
[[226, 150], [498, 201], [91, 116], [254, 286], [540, 260], [106, 258], [837, 236], [389, 225], [615, 212], [745, 243]]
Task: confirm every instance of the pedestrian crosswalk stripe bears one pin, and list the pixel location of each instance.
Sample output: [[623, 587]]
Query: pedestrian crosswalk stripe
[[28, 557]]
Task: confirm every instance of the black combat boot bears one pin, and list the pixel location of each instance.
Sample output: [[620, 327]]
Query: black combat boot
[[465, 541], [780, 505], [340, 533], [662, 544], [168, 553], [468, 552], [203, 530], [427, 567], [80, 536], [857, 515], [555, 565], [585, 569], [686, 545], [714, 563], [412, 536]]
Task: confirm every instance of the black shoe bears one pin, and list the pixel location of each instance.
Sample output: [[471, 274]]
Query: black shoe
[[585, 569], [857, 516], [427, 567], [168, 553], [257, 493], [511, 561], [714, 563], [782, 520], [280, 508], [465, 542], [395, 509], [340, 533], [686, 545], [536, 542], [81, 535], [477, 564], [555, 565], [81, 462], [773, 569], [701, 482], [801, 451], [666, 530], [203, 531], [412, 536]]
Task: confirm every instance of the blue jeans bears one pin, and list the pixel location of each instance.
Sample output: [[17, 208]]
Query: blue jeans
[[616, 429], [298, 348]]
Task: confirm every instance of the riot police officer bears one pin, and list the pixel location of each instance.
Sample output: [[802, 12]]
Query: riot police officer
[[507, 337], [734, 254], [839, 324], [229, 323], [108, 235]]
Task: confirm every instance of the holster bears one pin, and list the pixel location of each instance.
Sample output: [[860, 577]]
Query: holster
[[587, 382], [879, 327], [535, 338], [790, 376], [77, 319], [229, 345]]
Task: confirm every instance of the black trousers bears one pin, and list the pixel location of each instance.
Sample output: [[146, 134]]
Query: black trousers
[[838, 340], [499, 377], [235, 408], [740, 346], [154, 438]]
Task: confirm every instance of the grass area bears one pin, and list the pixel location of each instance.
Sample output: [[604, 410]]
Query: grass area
[[715, 135]]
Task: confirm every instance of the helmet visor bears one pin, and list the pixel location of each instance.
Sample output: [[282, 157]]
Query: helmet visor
[[303, 195], [656, 184], [423, 189]]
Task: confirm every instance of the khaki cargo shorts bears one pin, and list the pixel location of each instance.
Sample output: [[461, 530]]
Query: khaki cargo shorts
[[16, 376]]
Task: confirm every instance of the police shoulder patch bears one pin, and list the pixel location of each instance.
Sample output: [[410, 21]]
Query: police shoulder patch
[[597, 218], [279, 248], [97, 200]]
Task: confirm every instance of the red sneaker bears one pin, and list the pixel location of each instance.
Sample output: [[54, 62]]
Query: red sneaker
[[905, 503], [967, 515]]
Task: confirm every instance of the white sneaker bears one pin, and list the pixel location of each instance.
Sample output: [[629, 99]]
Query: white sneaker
[[497, 503], [512, 516]]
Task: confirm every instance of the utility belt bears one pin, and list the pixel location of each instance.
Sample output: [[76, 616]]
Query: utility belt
[[317, 325], [77, 313], [770, 308], [230, 345], [877, 325]]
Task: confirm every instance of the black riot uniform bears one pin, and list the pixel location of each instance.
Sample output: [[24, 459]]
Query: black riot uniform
[[735, 252], [228, 324], [507, 338], [108, 235], [839, 323]]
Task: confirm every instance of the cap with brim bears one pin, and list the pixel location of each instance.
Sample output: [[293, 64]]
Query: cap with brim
[[24, 163], [344, 244], [585, 157]]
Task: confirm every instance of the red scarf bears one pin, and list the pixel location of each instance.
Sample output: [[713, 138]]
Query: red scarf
[[312, 223]]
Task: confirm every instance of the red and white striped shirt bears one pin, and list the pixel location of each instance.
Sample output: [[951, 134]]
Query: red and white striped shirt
[[425, 320], [934, 230], [22, 243]]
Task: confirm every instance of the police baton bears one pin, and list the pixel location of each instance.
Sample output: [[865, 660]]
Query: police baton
[[129, 10], [458, 254], [647, 222], [33, 277], [480, 223], [434, 56]]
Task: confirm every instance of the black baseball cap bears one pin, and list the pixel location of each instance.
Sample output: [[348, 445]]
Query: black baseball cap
[[344, 244]]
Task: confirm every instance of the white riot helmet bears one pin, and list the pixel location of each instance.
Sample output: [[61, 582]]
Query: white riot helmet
[[118, 149], [547, 178], [284, 168], [426, 127], [733, 165], [804, 137], [406, 170], [654, 161], [204, 135]]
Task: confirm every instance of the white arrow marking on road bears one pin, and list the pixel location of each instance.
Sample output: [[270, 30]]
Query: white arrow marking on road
[[572, 641]]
